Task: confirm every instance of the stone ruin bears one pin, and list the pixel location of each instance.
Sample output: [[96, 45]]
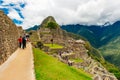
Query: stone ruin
[[76, 50], [8, 37], [57, 35]]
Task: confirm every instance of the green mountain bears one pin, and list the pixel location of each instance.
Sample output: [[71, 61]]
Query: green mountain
[[35, 27], [97, 35], [60, 36], [83, 54], [111, 51], [105, 38]]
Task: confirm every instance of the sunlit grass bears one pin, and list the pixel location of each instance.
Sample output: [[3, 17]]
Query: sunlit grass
[[54, 46], [77, 60], [49, 68]]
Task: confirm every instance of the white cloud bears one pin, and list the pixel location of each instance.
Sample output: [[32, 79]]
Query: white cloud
[[68, 11], [14, 15], [13, 1]]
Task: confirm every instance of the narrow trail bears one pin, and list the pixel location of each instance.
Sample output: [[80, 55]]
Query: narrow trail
[[19, 66]]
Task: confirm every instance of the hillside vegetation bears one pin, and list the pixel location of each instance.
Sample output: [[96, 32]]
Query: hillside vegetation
[[111, 51], [49, 68], [106, 39], [63, 46], [98, 36]]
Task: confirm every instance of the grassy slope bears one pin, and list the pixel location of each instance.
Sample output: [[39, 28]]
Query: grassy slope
[[54, 46], [49, 68]]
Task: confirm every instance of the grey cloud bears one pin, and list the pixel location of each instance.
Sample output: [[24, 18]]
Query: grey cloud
[[90, 12]]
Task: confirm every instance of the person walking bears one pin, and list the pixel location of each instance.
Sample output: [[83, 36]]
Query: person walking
[[24, 41], [20, 41]]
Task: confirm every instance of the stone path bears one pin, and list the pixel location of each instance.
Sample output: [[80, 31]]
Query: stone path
[[19, 66]]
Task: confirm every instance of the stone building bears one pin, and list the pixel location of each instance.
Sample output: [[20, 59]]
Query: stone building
[[8, 37]]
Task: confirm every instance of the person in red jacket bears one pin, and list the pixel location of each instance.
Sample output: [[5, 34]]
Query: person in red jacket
[[20, 41]]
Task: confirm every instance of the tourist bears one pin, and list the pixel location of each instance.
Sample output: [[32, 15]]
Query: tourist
[[24, 41], [20, 41], [27, 38]]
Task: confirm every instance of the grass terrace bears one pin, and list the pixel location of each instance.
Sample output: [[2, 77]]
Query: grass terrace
[[54, 46], [49, 68], [77, 60]]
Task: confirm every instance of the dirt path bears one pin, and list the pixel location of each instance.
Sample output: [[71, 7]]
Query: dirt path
[[19, 66]]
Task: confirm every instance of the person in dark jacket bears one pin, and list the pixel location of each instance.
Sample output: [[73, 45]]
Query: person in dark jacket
[[24, 41]]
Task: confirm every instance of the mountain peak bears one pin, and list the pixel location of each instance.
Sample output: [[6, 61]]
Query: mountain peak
[[50, 18], [107, 24], [47, 20]]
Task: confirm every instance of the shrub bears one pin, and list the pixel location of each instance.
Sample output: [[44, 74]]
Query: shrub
[[30, 33], [40, 45], [52, 25]]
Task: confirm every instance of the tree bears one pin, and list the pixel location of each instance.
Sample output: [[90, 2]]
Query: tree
[[52, 25]]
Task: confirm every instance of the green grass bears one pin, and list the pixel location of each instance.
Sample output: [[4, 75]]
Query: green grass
[[77, 60], [54, 46], [49, 68]]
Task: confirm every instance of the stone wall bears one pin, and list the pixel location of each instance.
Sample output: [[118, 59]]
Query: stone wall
[[21, 31], [58, 35], [8, 37]]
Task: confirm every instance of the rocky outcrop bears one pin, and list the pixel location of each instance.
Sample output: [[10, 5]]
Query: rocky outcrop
[[8, 37], [46, 34], [99, 72]]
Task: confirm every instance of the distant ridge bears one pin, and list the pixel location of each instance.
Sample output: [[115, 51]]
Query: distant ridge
[[105, 38], [95, 34], [35, 27]]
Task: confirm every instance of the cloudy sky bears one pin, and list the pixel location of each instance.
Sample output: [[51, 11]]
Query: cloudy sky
[[27, 13]]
